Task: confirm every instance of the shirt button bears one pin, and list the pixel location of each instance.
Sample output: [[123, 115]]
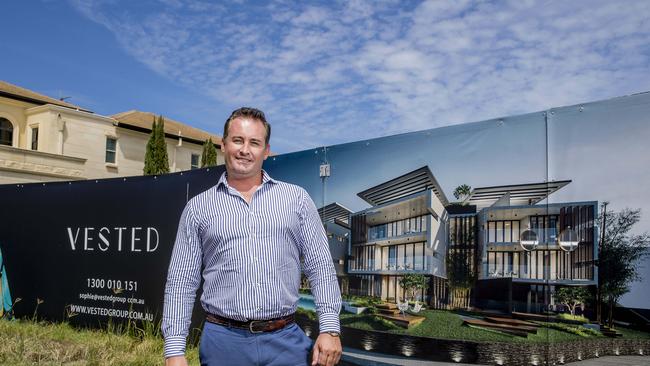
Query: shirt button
[[259, 308]]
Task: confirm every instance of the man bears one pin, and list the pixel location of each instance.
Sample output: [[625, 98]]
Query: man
[[248, 233]]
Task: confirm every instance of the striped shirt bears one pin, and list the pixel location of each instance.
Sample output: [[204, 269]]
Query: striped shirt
[[251, 258]]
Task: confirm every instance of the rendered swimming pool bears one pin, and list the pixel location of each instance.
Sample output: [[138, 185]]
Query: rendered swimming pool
[[306, 302]]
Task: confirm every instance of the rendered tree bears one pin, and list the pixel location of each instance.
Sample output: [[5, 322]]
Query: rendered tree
[[156, 160], [461, 267], [412, 282], [619, 257], [209, 154], [572, 297], [462, 192]]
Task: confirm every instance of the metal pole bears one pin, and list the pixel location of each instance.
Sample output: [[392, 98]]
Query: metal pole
[[599, 295]]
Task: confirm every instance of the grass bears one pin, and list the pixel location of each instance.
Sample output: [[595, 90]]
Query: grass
[[444, 324], [26, 342], [579, 318], [577, 330], [631, 333]]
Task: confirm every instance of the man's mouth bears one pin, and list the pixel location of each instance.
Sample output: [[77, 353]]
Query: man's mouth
[[242, 160]]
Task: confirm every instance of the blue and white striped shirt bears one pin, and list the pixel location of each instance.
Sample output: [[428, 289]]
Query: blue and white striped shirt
[[250, 254]]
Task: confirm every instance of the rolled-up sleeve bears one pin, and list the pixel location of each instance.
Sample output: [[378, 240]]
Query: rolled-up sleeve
[[183, 279], [318, 266]]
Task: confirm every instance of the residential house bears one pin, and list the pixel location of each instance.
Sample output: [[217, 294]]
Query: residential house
[[46, 139]]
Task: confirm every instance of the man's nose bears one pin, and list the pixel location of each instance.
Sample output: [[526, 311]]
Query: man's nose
[[245, 148]]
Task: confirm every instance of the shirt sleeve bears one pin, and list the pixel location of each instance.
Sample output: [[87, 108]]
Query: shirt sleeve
[[318, 266], [183, 279]]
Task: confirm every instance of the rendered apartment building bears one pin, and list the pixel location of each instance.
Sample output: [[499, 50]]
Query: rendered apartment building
[[46, 139], [411, 228], [516, 279], [405, 231], [336, 221]]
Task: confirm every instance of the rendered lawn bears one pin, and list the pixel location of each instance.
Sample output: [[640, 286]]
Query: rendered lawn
[[443, 324]]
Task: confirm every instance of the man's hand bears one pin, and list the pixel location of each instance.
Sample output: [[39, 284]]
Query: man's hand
[[327, 350], [176, 361]]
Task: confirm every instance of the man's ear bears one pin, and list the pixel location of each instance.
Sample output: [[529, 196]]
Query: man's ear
[[267, 151]]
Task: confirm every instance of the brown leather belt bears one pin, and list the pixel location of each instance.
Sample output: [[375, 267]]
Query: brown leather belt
[[254, 326]]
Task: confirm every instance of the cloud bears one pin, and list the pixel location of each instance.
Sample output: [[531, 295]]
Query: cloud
[[350, 70]]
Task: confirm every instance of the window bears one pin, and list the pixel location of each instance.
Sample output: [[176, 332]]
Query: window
[[195, 161], [492, 232], [111, 144], [34, 138], [408, 261], [6, 132], [499, 238], [418, 262]]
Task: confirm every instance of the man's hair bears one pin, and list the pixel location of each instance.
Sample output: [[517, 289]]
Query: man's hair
[[251, 113]]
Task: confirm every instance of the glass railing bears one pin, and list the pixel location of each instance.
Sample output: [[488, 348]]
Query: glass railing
[[406, 267]]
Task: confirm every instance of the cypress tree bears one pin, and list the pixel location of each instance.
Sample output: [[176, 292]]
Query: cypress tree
[[209, 154], [149, 167], [155, 157], [161, 158]]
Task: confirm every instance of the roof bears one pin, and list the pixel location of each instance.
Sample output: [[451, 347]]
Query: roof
[[144, 121], [12, 91], [519, 194], [416, 181], [334, 211]]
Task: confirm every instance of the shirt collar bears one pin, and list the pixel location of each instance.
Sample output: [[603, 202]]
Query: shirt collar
[[266, 178]]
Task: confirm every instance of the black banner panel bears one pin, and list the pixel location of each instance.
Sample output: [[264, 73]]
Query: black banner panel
[[94, 250]]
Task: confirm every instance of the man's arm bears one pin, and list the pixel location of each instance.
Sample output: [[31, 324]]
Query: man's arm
[[319, 269], [183, 279]]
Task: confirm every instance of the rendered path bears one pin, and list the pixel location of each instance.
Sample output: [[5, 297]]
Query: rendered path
[[353, 357]]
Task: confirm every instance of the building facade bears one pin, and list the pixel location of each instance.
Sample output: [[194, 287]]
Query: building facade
[[336, 221], [528, 272], [503, 246], [44, 139], [405, 231]]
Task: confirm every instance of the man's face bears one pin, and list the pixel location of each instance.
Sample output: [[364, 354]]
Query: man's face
[[245, 148]]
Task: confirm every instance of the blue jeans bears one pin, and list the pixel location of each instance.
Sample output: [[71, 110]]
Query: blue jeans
[[221, 345]]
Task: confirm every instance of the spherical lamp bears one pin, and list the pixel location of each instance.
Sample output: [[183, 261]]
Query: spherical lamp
[[568, 240], [528, 240]]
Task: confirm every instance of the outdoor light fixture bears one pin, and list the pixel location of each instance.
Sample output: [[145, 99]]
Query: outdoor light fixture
[[528, 240], [568, 239]]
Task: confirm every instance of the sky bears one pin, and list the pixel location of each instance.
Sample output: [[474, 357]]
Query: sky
[[327, 72]]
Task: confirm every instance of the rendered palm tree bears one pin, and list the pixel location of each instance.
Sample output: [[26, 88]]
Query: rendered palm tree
[[462, 192]]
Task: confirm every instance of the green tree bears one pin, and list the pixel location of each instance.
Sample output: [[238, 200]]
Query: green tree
[[572, 296], [461, 266], [413, 282], [462, 192], [619, 256], [149, 166], [209, 154], [156, 160]]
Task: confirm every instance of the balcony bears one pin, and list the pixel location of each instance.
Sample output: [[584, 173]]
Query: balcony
[[394, 269], [41, 163], [524, 275], [381, 239]]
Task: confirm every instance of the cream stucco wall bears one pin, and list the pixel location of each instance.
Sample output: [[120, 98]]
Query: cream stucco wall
[[14, 111], [72, 145]]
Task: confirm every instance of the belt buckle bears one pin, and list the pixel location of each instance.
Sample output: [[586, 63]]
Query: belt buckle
[[250, 326]]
